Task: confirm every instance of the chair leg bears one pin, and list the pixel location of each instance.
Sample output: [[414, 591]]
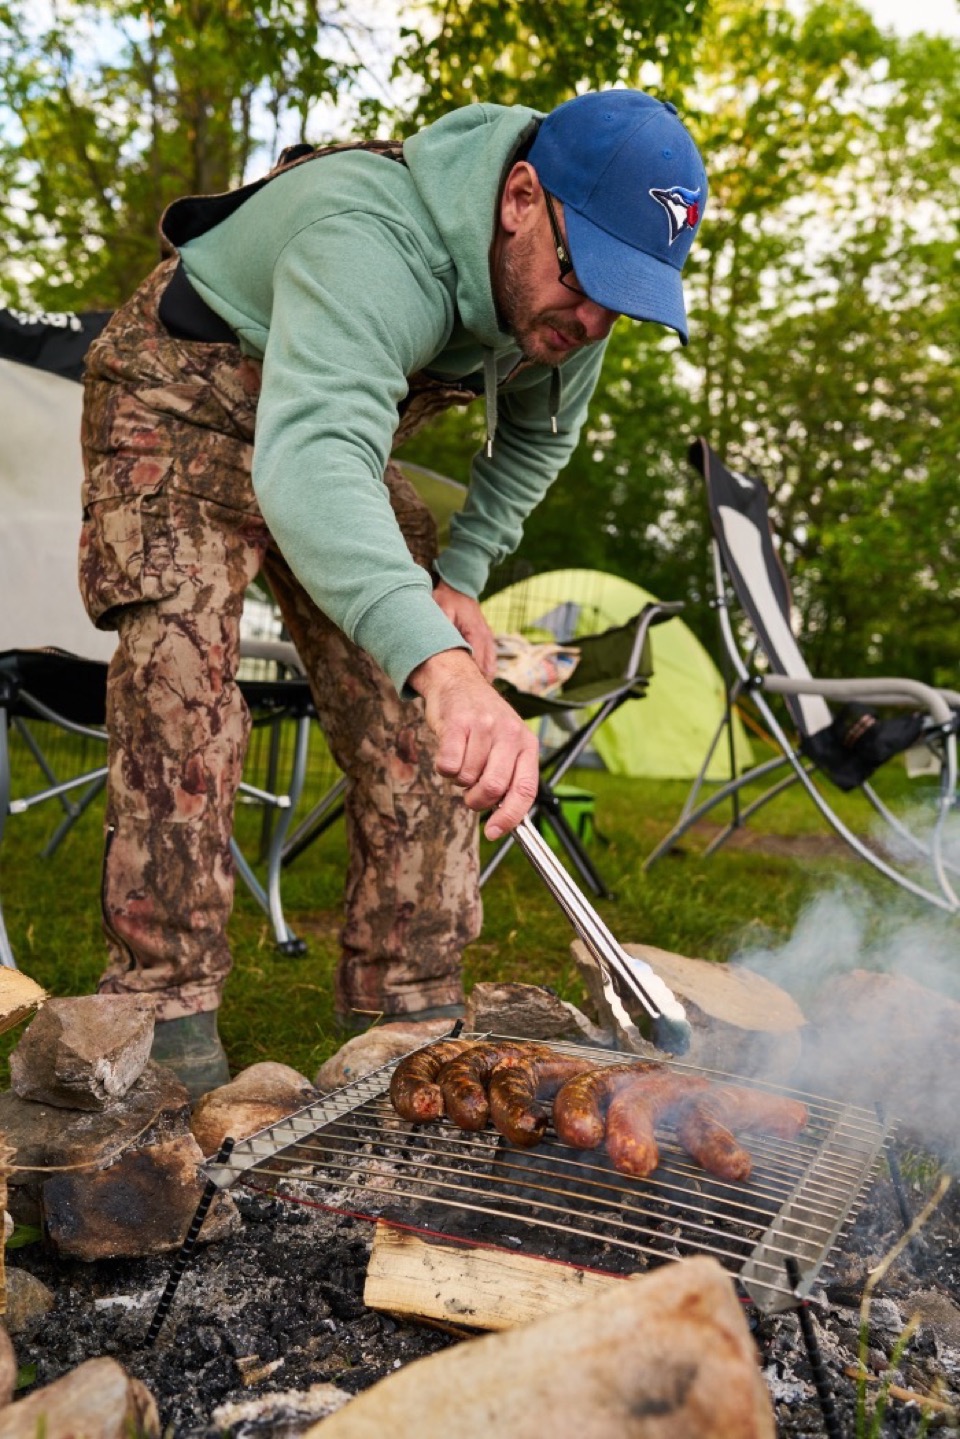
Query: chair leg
[[269, 897], [325, 813], [689, 817], [7, 960], [550, 809], [547, 808]]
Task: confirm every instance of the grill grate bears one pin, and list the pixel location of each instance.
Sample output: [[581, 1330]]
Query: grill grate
[[564, 1203]]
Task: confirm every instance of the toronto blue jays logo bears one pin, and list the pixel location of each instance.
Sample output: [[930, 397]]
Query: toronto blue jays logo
[[682, 207]]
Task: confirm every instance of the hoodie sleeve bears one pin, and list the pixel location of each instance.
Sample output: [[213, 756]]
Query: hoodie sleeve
[[356, 308], [527, 457]]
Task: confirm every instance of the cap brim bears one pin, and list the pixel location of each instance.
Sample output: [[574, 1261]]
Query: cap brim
[[624, 279]]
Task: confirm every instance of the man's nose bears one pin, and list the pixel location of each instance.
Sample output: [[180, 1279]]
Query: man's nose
[[596, 319]]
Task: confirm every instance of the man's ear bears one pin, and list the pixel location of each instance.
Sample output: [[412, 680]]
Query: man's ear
[[520, 198]]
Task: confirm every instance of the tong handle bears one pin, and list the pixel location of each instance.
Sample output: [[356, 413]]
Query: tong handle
[[581, 914]]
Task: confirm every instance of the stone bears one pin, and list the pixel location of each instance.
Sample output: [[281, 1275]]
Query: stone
[[885, 1039], [259, 1096], [529, 1011], [375, 1047], [8, 1368], [665, 1356], [740, 1022], [98, 1400], [141, 1205], [936, 1311], [28, 1300], [83, 1052], [46, 1137]]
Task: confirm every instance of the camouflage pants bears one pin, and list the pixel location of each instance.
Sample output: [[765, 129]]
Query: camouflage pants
[[172, 536]]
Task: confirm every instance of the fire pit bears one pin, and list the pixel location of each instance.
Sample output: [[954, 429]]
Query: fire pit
[[351, 1149]]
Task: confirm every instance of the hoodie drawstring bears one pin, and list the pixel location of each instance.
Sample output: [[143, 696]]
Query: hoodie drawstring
[[490, 381], [556, 388]]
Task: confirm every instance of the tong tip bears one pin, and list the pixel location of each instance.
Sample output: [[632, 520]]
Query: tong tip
[[672, 1035]]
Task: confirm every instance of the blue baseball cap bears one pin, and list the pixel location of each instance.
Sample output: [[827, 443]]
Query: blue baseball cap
[[634, 191]]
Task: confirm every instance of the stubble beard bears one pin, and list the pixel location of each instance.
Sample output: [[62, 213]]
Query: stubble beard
[[513, 294]]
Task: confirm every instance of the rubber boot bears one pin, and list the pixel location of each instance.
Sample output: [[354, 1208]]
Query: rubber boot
[[191, 1048]]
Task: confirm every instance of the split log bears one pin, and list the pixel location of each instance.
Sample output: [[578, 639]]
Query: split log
[[741, 1022], [19, 997], [482, 1288]]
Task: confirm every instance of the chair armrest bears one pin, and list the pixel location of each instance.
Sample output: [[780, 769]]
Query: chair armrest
[[875, 691]]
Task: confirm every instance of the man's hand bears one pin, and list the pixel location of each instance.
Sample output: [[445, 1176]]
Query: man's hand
[[467, 615], [484, 744]]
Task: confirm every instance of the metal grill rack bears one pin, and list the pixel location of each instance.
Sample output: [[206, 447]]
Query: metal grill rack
[[352, 1149]]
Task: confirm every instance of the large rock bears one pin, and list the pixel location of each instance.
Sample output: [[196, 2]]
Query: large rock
[[28, 1299], [8, 1368], [84, 1052], [530, 1011], [375, 1047], [668, 1356], [99, 1400], [141, 1205], [46, 1137], [259, 1096], [740, 1022], [885, 1039]]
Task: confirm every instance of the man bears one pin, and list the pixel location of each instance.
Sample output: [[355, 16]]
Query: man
[[239, 416]]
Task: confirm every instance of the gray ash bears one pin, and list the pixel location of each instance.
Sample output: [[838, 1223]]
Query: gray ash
[[288, 1286]]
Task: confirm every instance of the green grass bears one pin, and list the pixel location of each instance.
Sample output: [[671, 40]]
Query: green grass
[[280, 1008]]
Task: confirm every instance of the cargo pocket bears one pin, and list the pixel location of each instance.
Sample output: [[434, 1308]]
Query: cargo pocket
[[126, 553]]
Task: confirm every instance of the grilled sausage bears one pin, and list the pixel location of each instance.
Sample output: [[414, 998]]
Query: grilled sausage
[[413, 1089], [712, 1145], [758, 1111], [580, 1108], [636, 1110], [464, 1079], [705, 1128], [518, 1094]]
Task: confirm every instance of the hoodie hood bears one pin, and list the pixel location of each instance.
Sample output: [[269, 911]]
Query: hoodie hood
[[458, 165]]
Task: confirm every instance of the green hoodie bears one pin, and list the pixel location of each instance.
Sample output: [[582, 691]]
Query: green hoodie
[[346, 275]]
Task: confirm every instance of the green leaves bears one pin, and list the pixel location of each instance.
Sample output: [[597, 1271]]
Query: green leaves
[[540, 52]]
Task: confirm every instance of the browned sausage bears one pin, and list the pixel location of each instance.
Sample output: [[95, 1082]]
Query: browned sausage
[[413, 1089], [518, 1094], [711, 1144], [706, 1128], [637, 1109], [465, 1078], [579, 1110], [755, 1110]]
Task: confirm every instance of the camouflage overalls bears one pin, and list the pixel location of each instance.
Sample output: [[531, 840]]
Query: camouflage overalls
[[172, 536]]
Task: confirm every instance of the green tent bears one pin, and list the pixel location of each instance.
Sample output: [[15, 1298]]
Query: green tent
[[666, 734]]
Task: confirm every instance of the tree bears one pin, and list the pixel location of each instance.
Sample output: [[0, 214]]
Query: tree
[[830, 367], [540, 52], [121, 106]]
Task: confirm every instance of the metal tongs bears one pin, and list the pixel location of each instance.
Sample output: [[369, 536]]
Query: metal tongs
[[671, 1028]]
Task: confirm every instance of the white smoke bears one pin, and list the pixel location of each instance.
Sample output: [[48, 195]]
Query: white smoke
[[878, 977], [849, 928]]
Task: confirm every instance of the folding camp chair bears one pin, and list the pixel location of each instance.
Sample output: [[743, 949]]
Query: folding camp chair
[[847, 746], [613, 667], [63, 694]]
